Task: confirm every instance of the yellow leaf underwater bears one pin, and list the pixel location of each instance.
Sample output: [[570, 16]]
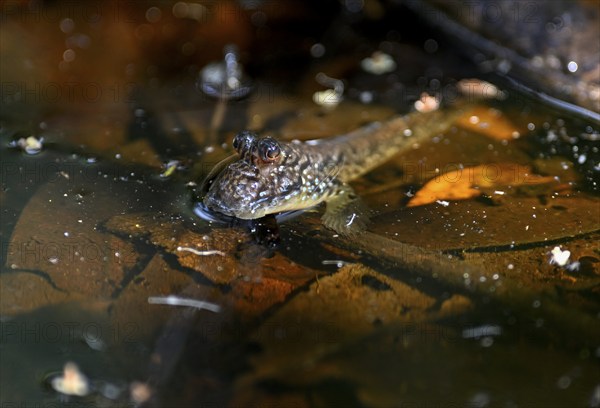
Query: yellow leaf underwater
[[470, 182], [491, 123]]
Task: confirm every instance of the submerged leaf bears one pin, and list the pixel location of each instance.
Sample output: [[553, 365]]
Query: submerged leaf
[[470, 182]]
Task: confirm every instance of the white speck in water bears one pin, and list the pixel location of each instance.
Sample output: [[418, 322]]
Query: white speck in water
[[486, 330], [495, 276], [559, 257], [427, 103], [66, 234], [572, 66], [30, 145], [511, 266], [531, 126], [407, 132], [117, 254], [536, 304], [140, 392], [366, 97], [474, 120], [581, 159], [328, 97], [72, 382], [379, 63], [53, 260], [337, 262], [317, 50]]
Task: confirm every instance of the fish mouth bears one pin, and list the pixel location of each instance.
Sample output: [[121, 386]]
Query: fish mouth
[[216, 205], [207, 214]]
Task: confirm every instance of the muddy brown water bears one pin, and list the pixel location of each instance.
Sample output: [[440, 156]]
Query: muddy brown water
[[450, 303]]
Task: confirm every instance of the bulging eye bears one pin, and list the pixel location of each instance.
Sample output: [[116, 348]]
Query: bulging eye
[[243, 141], [269, 149]]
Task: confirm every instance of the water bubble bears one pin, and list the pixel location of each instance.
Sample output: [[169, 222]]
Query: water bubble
[[67, 25], [69, 55], [153, 14], [317, 50]]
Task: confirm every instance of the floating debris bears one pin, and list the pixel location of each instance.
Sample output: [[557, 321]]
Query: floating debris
[[177, 301], [379, 63], [476, 88], [485, 330], [427, 103], [201, 253], [337, 262], [94, 341], [109, 390], [170, 168], [30, 145], [366, 97], [559, 257], [225, 79], [72, 382], [140, 392], [329, 97]]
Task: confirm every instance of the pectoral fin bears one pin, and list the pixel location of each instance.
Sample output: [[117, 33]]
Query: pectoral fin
[[346, 214]]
